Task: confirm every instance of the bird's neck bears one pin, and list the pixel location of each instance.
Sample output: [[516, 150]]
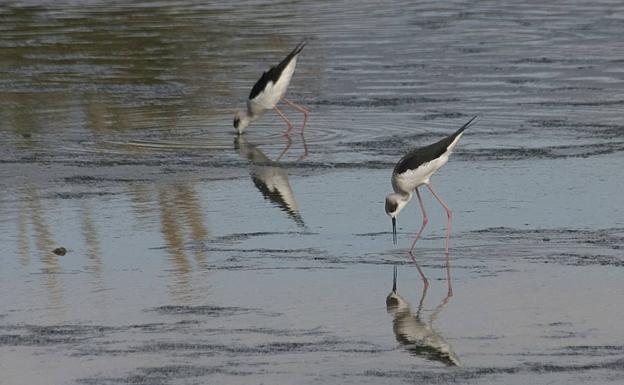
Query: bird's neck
[[405, 196], [253, 115]]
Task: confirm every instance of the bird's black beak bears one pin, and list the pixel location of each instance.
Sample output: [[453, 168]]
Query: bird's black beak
[[394, 236]]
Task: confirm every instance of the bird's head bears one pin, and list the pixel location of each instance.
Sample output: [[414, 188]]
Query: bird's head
[[241, 121], [394, 204]]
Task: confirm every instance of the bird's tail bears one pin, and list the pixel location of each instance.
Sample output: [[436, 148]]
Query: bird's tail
[[468, 124], [299, 47]]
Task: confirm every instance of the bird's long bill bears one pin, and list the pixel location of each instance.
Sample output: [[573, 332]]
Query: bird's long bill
[[394, 236]]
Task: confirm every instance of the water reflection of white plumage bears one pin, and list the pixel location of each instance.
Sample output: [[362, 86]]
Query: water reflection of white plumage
[[416, 335], [270, 178]]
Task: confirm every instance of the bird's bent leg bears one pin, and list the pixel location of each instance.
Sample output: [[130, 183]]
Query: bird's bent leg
[[288, 123], [424, 222], [301, 109], [449, 214]]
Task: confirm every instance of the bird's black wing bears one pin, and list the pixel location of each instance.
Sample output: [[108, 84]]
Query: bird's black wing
[[416, 157], [274, 73]]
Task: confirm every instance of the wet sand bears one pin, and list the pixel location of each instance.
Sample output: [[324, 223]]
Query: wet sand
[[193, 257]]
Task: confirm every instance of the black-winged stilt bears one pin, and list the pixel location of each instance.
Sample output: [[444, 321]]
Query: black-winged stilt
[[413, 170], [270, 90]]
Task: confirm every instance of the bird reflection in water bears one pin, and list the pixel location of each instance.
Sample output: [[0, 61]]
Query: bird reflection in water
[[415, 334], [270, 178]]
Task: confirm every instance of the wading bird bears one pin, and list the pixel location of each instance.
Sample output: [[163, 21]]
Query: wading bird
[[413, 170], [268, 91]]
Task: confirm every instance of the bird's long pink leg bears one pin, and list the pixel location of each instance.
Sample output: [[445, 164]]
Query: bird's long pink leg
[[449, 214], [301, 109], [424, 222], [288, 123]]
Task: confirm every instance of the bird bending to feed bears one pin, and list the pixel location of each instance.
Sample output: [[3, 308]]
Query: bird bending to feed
[[270, 90], [415, 169]]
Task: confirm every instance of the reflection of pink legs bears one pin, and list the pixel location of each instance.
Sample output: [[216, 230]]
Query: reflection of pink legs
[[305, 148], [288, 123], [422, 297], [285, 150], [448, 276], [422, 275], [301, 109], [424, 222], [449, 214]]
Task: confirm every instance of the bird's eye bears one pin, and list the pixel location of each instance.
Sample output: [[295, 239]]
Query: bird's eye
[[391, 207]]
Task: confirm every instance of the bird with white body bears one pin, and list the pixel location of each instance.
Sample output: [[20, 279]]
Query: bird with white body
[[413, 170], [268, 91]]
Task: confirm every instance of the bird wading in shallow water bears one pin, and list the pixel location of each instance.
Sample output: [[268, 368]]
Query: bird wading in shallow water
[[413, 170], [268, 91]]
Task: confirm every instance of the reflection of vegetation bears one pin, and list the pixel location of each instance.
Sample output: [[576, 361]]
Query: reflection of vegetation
[[45, 244], [181, 224], [22, 235], [93, 244], [118, 67]]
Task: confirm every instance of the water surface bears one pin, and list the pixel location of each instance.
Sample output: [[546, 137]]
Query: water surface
[[194, 257]]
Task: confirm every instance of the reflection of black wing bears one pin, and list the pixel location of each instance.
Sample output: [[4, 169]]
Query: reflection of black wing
[[433, 347], [273, 74], [416, 157], [416, 336], [276, 196]]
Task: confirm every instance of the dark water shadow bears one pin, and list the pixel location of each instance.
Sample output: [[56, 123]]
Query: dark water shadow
[[270, 178], [414, 333]]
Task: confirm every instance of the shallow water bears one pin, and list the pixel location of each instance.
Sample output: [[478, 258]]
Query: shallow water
[[186, 266]]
